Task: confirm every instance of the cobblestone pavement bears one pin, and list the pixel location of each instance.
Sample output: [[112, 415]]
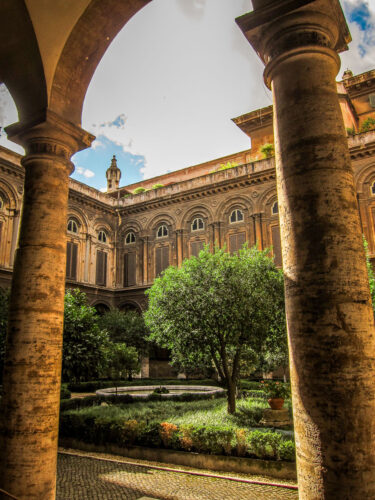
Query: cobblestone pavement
[[86, 478]]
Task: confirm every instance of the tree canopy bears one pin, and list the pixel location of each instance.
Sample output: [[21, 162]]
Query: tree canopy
[[125, 326], [84, 343], [216, 306]]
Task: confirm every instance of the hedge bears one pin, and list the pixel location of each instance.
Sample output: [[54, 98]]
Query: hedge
[[87, 401], [211, 439]]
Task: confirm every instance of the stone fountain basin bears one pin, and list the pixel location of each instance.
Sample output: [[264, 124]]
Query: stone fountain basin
[[139, 392]]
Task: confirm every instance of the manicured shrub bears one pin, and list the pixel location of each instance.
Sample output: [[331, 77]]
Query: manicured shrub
[[287, 451], [131, 430], [139, 190], [241, 446], [264, 444], [189, 427], [167, 430]]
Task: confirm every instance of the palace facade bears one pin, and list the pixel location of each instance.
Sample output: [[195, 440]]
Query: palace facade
[[118, 242]]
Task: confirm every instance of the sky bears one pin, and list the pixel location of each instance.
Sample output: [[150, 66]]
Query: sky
[[163, 96]]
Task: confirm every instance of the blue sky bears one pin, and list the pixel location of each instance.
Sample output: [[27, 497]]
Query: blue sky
[[165, 92]]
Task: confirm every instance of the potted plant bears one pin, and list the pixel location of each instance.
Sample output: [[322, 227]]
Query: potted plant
[[276, 393]]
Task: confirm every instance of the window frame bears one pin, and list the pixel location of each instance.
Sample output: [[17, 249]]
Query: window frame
[[198, 220], [130, 233], [164, 227], [275, 204], [100, 238], [73, 223], [236, 211]]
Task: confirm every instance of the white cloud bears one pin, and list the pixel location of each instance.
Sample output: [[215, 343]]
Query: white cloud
[[85, 172], [103, 190], [360, 15]]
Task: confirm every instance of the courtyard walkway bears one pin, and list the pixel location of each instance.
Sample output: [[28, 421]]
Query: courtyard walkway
[[95, 476]]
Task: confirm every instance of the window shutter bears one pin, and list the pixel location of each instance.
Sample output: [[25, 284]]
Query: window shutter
[[101, 268], [276, 243], [73, 269], [195, 248], [158, 261], [241, 238], [129, 269], [71, 260], [236, 241], [161, 259], [165, 257], [68, 258]]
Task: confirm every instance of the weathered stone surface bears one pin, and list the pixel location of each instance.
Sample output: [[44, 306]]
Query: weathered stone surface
[[276, 418], [329, 314]]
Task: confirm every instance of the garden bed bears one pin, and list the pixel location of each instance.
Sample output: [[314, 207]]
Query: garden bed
[[203, 427]]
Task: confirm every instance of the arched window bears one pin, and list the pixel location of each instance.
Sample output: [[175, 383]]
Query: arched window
[[162, 231], [130, 238], [102, 237], [236, 216], [197, 224], [373, 188], [72, 226], [275, 208]]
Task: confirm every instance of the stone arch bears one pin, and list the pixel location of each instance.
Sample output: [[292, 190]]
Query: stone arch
[[9, 195], [199, 211], [160, 219], [363, 179], [267, 200], [129, 225], [101, 306], [39, 78], [101, 224], [268, 196], [78, 215], [130, 305], [224, 209]]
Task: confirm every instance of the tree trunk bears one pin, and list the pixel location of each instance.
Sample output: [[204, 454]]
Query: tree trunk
[[231, 396]]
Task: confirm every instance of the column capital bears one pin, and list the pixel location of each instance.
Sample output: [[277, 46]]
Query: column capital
[[279, 29], [50, 135]]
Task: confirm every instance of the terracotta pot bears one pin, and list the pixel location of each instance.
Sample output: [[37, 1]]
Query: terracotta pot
[[276, 403]]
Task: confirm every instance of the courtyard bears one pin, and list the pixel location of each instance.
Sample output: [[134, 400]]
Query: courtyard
[[93, 476]]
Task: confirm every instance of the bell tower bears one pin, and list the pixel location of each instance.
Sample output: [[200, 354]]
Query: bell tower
[[113, 175]]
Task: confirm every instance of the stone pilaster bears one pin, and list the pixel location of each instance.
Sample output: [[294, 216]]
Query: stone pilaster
[[180, 246], [145, 260], [30, 406], [329, 314], [258, 230]]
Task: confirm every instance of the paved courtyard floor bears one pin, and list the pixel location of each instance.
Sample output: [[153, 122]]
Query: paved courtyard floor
[[96, 476]]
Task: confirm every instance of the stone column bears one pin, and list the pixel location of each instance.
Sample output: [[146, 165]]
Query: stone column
[[30, 406], [329, 313], [179, 237], [87, 259], [258, 232], [145, 259], [216, 234]]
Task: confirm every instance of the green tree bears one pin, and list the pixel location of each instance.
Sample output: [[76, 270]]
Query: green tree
[[125, 326], [4, 304], [84, 346], [121, 361], [217, 306]]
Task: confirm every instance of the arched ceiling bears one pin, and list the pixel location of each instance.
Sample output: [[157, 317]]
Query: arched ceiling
[[50, 50], [52, 27]]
